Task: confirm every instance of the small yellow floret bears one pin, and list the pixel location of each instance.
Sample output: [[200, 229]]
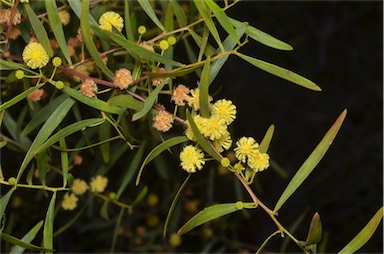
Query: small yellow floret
[[164, 45], [171, 40], [64, 17], [35, 56], [191, 158], [194, 99], [56, 61], [19, 74], [258, 162], [109, 19], [246, 147], [225, 162], [224, 142], [79, 187], [99, 183], [69, 201], [214, 127], [141, 29], [224, 109]]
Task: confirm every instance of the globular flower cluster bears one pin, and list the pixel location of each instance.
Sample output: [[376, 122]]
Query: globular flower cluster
[[163, 121], [69, 202], [35, 56], [192, 158], [111, 19], [247, 150]]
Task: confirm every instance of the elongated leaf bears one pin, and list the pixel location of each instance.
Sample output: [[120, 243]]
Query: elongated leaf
[[92, 102], [19, 97], [203, 142], [105, 133], [9, 65], [311, 162], [4, 202], [88, 40], [68, 130], [281, 72], [76, 7], [149, 102], [172, 207], [127, 20], [104, 210], [204, 90], [133, 166], [39, 30], [206, 15], [27, 238], [158, 150], [229, 44], [18, 242], [57, 28], [136, 50], [263, 37], [46, 130], [126, 101], [365, 234], [179, 13], [48, 225], [44, 114], [223, 19], [213, 212], [42, 165], [315, 231], [64, 161], [264, 145], [151, 13], [141, 195]]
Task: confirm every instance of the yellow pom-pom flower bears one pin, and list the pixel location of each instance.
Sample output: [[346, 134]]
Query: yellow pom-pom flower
[[79, 187], [214, 127], [246, 147], [258, 162], [99, 183], [109, 19], [19, 74], [171, 40], [56, 61], [224, 109], [69, 201], [35, 56], [142, 30], [164, 45], [191, 159], [224, 142]]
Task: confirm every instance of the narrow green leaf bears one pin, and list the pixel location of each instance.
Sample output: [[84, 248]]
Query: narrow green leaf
[[177, 72], [105, 133], [76, 8], [39, 29], [206, 15], [133, 166], [263, 37], [149, 102], [92, 102], [64, 161], [365, 234], [158, 150], [19, 97], [117, 229], [281, 72], [141, 195], [104, 210], [211, 213], [57, 28], [223, 19], [179, 13], [44, 114], [4, 202], [136, 50], [311, 162], [3, 144], [88, 40], [169, 19], [42, 165], [204, 90], [203, 43], [229, 44], [68, 130], [172, 207], [203, 142], [314, 231], [48, 225], [18, 242], [27, 238], [126, 101], [9, 65], [151, 13], [46, 130], [264, 145], [127, 20]]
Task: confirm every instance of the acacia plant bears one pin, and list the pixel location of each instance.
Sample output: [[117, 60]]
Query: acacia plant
[[108, 113]]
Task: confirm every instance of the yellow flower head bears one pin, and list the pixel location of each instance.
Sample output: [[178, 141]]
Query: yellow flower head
[[69, 201], [64, 17], [258, 162], [99, 183], [171, 40], [123, 78], [180, 95], [141, 29], [56, 61], [35, 56], [191, 158], [79, 187], [214, 127], [224, 142], [194, 99], [109, 19], [164, 45], [19, 74], [163, 121], [199, 121], [224, 109], [246, 147]]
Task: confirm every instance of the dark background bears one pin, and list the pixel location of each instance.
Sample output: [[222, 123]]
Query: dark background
[[338, 45]]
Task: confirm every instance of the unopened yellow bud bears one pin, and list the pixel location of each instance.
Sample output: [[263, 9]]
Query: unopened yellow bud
[[56, 61], [142, 30], [171, 40], [19, 74], [59, 84], [164, 45]]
